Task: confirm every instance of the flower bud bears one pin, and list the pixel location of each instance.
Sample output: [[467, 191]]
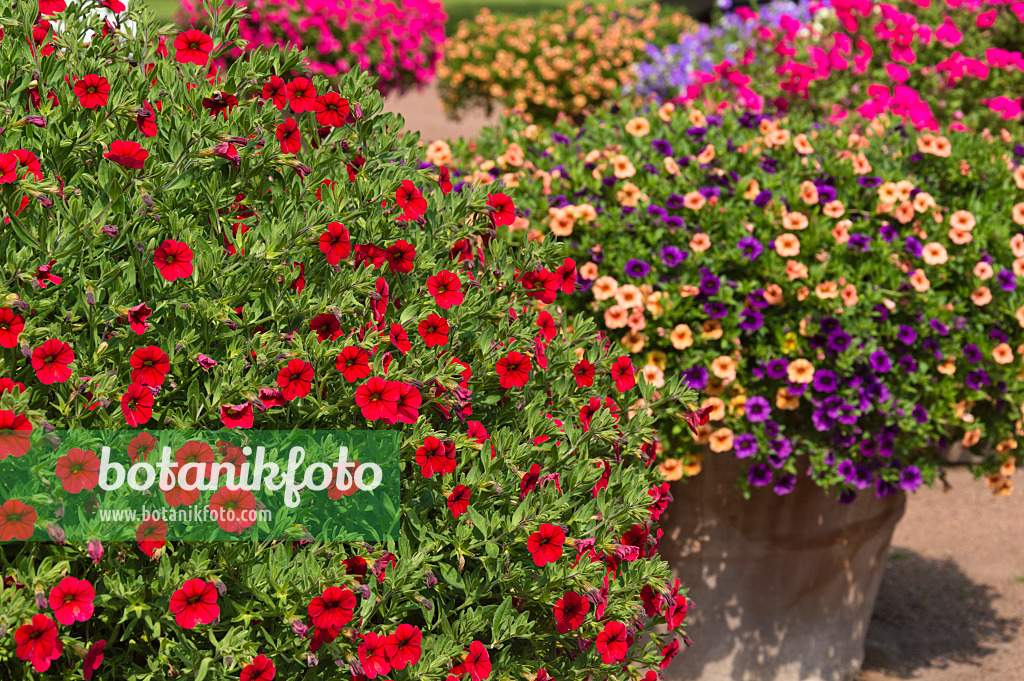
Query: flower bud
[[110, 230], [299, 628], [430, 580], [95, 550]]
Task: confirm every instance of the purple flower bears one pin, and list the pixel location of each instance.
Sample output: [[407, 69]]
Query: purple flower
[[771, 429], [745, 446], [762, 199], [972, 353], [750, 248], [938, 327], [997, 335], [662, 146], [637, 268], [879, 362], [884, 489], [914, 247], [863, 478], [784, 484], [860, 242], [672, 256], [716, 310], [751, 320], [976, 380], [870, 182], [1007, 280], [825, 381], [782, 447], [847, 497], [597, 255], [910, 478], [777, 368], [906, 335], [908, 364], [696, 377], [847, 470], [888, 233], [839, 341], [759, 475], [674, 201], [757, 409], [709, 283]]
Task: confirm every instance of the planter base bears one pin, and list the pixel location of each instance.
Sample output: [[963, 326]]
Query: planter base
[[782, 587]]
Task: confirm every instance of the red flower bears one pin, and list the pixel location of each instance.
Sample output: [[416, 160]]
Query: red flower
[[17, 521], [261, 669], [444, 178], [410, 200], [400, 256], [513, 370], [92, 90], [115, 6], [335, 243], [333, 609], [403, 647], [127, 153], [379, 302], [152, 536], [93, 659], [295, 379], [233, 509], [545, 545], [193, 47], [373, 657], [145, 119], [195, 603], [137, 317], [11, 326], [435, 457], [38, 642], [434, 330], [353, 363], [400, 338], [503, 212], [236, 416], [150, 365], [300, 281], [29, 161], [275, 91], [8, 386], [611, 643], [326, 326], [302, 95], [668, 653], [140, 446], [51, 361], [695, 418], [8, 168], [331, 109], [570, 611], [378, 398], [446, 287], [137, 404], [478, 662], [44, 277], [623, 374], [547, 325], [173, 259], [541, 284], [220, 102], [289, 136], [77, 470], [458, 500], [566, 276], [71, 600], [49, 7], [584, 373], [407, 409]]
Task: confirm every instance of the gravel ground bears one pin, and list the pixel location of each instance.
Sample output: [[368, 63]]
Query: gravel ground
[[951, 605]]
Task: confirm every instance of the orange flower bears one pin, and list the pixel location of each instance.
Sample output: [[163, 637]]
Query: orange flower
[[923, 201], [665, 111], [773, 294], [809, 192], [439, 153], [622, 167], [753, 189], [942, 148], [795, 221], [841, 232], [934, 253], [1018, 177], [849, 294], [777, 138], [653, 375], [561, 222], [711, 330], [800, 371], [919, 281], [999, 484], [694, 200], [721, 440], [588, 271], [1019, 314], [964, 220], [616, 317], [688, 291], [786, 401], [926, 143], [724, 368], [981, 296], [887, 192], [671, 167], [717, 408], [983, 270], [707, 155], [1017, 245], [604, 288], [638, 127], [1018, 213], [834, 209], [802, 145], [795, 270], [629, 195], [861, 165], [697, 118], [671, 469], [629, 296], [700, 242], [971, 437], [681, 337], [904, 212], [787, 245], [960, 237], [1002, 354]]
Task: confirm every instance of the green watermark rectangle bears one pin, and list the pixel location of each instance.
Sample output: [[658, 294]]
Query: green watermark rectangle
[[170, 485]]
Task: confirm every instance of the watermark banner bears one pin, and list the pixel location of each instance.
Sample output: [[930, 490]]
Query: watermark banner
[[251, 485]]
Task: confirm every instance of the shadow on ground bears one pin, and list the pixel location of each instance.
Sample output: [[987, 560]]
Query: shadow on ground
[[929, 614]]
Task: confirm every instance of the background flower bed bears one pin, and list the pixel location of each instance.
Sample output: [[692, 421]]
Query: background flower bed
[[270, 248], [851, 297], [931, 62], [559, 62]]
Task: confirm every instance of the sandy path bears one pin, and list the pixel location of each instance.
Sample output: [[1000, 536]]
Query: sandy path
[[422, 112]]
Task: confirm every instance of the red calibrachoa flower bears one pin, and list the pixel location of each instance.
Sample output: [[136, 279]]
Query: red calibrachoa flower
[[52, 360], [276, 92], [335, 243], [17, 521], [151, 535], [584, 373], [571, 611], [15, 432], [503, 212], [612, 644], [137, 405], [145, 120], [8, 168], [289, 136], [77, 470], [295, 379], [404, 647], [195, 603], [9, 386], [331, 109], [44, 277], [92, 91], [434, 330], [150, 365], [137, 317], [378, 398], [458, 500], [38, 642], [333, 609], [623, 374], [236, 416], [233, 509], [193, 47], [11, 326], [48, 7], [513, 370], [71, 600], [478, 662], [127, 153], [410, 200], [301, 95], [220, 102], [140, 446], [353, 363], [435, 457], [400, 256], [326, 326], [400, 338], [261, 669], [93, 659], [446, 287], [173, 259], [444, 179], [373, 657], [545, 545]]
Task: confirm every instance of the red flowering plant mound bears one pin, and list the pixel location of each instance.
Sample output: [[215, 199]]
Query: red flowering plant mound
[[253, 248], [848, 301]]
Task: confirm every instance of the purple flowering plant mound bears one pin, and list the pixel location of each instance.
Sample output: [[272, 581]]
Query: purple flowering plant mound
[[847, 300]]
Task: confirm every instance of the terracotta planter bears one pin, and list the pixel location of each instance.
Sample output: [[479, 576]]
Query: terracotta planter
[[782, 587]]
